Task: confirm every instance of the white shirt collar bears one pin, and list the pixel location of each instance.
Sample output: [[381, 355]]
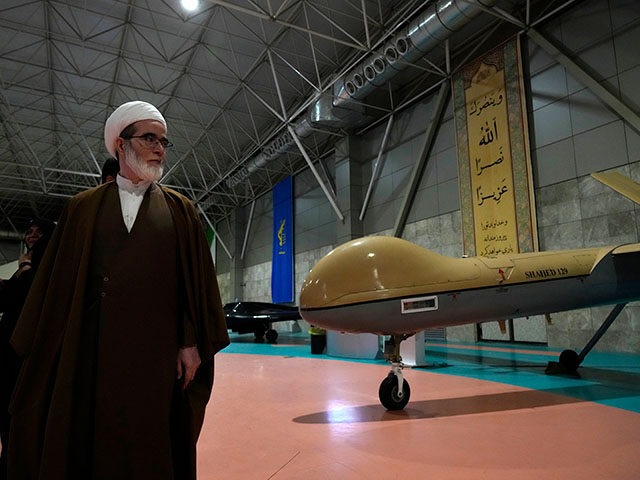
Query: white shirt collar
[[130, 187]]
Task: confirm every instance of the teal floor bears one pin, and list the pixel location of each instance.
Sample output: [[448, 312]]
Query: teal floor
[[611, 379]]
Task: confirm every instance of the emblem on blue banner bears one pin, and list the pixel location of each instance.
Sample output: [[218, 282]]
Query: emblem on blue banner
[[282, 258]]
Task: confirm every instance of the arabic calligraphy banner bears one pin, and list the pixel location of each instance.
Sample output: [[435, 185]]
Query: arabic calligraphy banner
[[496, 194], [282, 258]]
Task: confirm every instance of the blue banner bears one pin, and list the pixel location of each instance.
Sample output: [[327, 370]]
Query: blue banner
[[282, 260]]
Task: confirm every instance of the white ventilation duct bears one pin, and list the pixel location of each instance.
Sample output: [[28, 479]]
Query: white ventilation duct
[[272, 150], [430, 29]]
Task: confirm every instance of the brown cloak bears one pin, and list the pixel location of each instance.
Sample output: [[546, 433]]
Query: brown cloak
[[48, 336]]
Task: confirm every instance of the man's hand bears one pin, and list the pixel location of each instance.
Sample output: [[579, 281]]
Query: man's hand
[[188, 363], [24, 263]]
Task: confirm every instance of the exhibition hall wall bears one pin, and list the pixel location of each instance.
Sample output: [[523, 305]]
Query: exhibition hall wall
[[571, 133]]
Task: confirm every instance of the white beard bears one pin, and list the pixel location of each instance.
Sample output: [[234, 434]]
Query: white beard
[[144, 171]]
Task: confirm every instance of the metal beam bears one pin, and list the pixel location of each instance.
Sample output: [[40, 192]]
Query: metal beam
[[34, 192], [407, 11], [11, 224], [330, 181], [248, 11], [93, 157], [120, 60], [215, 232], [601, 331], [376, 168], [332, 22], [496, 12], [264, 102], [188, 64], [49, 56], [298, 72], [418, 167], [552, 13], [73, 172], [366, 24], [246, 233], [240, 88], [277, 84], [587, 80], [20, 135], [315, 173]]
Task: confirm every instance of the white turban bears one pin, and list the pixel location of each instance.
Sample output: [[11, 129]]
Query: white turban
[[125, 115]]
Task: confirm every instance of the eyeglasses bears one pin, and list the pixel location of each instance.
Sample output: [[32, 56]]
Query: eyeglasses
[[151, 139]]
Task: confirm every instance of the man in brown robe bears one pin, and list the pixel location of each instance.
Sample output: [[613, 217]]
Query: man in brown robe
[[119, 330]]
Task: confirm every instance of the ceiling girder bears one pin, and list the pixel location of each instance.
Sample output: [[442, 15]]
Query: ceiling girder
[[229, 78]]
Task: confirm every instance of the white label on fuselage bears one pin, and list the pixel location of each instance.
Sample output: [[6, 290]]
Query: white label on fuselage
[[419, 304]]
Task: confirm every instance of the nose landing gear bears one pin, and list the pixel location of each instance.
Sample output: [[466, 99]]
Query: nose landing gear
[[394, 390]]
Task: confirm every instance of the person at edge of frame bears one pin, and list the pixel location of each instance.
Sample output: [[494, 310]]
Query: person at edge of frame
[[13, 293], [110, 169]]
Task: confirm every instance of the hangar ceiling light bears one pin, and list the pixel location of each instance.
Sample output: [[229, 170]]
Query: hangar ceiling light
[[189, 5]]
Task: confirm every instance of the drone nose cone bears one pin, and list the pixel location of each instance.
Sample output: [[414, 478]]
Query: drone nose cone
[[369, 268]]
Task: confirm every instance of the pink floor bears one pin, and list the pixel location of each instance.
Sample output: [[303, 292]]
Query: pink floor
[[277, 417]]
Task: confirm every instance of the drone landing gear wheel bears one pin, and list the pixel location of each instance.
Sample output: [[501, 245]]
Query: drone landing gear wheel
[[390, 396], [259, 335], [569, 360], [272, 336], [394, 390]]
